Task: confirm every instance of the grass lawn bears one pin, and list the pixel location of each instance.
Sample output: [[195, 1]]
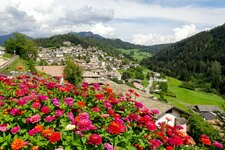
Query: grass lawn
[[188, 97], [18, 63], [7, 55], [138, 55]]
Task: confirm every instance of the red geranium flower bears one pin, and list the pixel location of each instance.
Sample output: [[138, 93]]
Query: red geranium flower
[[45, 109], [54, 137], [115, 127], [205, 139], [99, 96], [95, 139], [169, 148], [81, 104]]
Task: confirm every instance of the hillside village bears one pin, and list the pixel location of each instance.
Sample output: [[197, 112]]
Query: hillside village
[[112, 75], [100, 68], [96, 63]]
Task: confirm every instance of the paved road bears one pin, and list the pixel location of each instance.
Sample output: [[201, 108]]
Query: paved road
[[147, 89]]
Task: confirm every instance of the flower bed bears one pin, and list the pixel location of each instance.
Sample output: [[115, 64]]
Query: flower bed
[[38, 113]]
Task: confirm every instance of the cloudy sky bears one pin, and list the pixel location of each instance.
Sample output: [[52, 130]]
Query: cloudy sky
[[144, 22]]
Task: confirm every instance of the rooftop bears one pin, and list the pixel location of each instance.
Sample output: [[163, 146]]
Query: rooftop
[[207, 108], [51, 70]]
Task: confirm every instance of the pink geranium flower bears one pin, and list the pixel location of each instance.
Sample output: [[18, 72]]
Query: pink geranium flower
[[15, 129], [55, 102], [34, 119], [59, 112], [96, 109], [33, 131], [83, 116], [84, 124], [36, 105], [49, 118], [108, 146], [217, 144], [69, 101], [4, 127], [43, 97], [14, 111]]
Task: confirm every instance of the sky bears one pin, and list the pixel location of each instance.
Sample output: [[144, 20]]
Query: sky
[[145, 22]]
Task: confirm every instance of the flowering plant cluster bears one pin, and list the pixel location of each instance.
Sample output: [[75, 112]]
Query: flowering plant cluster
[[38, 113], [204, 139]]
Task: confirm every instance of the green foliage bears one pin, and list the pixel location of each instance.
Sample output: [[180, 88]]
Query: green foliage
[[126, 75], [199, 126], [31, 66], [163, 86], [22, 46], [135, 54], [162, 96], [72, 72], [202, 54], [7, 55], [187, 85], [139, 75], [43, 62]]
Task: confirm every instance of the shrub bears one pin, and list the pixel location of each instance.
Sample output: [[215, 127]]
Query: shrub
[[72, 72], [199, 126], [187, 85]]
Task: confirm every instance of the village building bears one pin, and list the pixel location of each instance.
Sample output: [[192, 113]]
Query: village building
[[208, 112], [2, 50]]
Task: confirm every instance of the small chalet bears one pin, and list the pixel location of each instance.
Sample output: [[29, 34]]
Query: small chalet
[[208, 112]]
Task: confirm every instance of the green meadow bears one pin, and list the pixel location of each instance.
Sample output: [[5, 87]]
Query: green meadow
[[136, 54], [185, 97]]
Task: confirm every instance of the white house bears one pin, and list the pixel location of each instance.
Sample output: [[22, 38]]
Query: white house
[[174, 117], [2, 50]]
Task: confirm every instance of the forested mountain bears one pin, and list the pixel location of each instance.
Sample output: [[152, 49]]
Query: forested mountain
[[118, 43], [5, 37], [200, 59], [88, 34]]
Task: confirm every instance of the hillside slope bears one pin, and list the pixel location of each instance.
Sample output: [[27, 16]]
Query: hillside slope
[[200, 57]]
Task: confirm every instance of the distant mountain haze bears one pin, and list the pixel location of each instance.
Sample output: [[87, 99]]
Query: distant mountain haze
[[115, 43]]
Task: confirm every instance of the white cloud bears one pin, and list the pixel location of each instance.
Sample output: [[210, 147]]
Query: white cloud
[[16, 20], [153, 38], [184, 32], [102, 30], [87, 15], [127, 17]]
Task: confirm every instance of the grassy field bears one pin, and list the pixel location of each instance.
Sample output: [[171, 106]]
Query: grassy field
[[138, 55], [18, 63], [185, 97], [7, 55]]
